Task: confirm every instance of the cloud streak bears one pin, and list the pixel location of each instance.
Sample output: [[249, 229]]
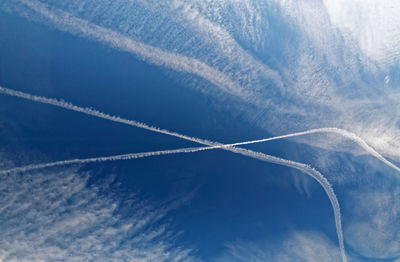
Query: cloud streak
[[193, 16], [101, 159], [67, 22], [256, 155]]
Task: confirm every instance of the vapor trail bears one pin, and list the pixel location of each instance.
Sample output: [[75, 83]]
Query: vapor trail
[[353, 137], [257, 155], [96, 113], [230, 147], [314, 174], [100, 159]]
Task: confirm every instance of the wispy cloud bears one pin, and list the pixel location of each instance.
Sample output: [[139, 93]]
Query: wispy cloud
[[374, 220], [154, 55], [58, 216], [297, 246], [340, 68], [197, 16], [370, 24]]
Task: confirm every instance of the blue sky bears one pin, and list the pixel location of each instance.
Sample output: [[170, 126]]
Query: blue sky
[[223, 71]]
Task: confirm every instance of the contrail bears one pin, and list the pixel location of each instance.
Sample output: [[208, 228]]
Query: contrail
[[314, 174], [257, 155], [66, 22], [96, 113], [355, 138], [230, 147], [101, 159]]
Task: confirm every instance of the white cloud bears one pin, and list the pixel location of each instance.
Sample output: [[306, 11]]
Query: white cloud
[[154, 55], [339, 67], [374, 221], [296, 247], [374, 25], [56, 216]]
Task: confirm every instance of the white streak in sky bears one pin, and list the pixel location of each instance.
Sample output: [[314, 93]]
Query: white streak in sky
[[93, 112], [223, 41], [257, 155], [66, 22], [314, 174], [96, 113], [101, 159], [353, 137]]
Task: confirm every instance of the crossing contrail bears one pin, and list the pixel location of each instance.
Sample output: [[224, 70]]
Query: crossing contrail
[[230, 147], [93, 112]]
